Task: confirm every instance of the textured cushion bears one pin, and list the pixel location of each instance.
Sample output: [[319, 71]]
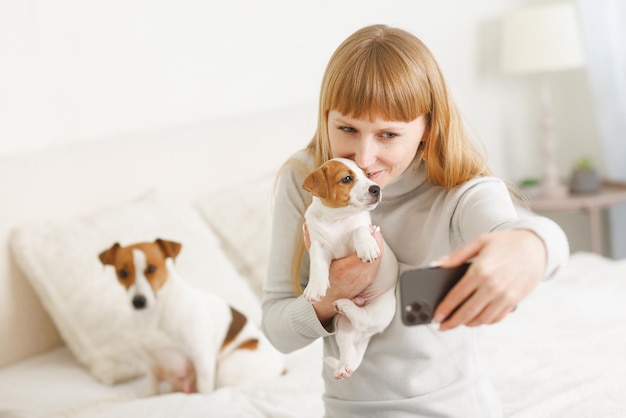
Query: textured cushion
[[83, 298], [242, 218]]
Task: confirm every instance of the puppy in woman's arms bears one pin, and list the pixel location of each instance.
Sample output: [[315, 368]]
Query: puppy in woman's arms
[[193, 341], [339, 224]]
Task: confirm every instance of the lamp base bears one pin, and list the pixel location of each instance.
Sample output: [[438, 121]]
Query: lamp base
[[553, 190]]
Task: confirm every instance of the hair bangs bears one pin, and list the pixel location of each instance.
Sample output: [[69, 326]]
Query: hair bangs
[[378, 84]]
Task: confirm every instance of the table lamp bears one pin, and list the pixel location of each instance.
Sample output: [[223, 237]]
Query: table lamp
[[541, 39]]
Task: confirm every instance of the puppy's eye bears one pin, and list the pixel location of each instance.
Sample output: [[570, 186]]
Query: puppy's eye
[[122, 274], [151, 269], [346, 180]]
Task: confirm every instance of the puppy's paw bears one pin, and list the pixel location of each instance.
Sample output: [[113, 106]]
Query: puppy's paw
[[340, 371], [314, 293], [344, 306], [357, 315], [343, 373], [367, 250]]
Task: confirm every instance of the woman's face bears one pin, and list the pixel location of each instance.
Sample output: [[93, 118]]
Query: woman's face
[[384, 149]]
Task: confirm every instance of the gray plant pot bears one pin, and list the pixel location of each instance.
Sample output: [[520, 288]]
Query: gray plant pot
[[584, 182]]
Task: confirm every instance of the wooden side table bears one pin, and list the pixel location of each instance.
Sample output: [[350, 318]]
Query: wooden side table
[[610, 194]]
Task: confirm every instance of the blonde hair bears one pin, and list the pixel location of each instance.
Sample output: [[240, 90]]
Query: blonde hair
[[386, 72]]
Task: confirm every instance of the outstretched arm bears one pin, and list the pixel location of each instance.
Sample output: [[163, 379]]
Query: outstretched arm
[[510, 256]]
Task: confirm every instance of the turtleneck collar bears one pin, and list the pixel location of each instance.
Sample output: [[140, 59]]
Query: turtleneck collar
[[409, 181]]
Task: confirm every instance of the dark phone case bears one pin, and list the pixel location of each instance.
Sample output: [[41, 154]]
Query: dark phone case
[[421, 290]]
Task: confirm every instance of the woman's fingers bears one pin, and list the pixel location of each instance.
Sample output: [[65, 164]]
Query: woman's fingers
[[483, 304], [465, 288], [506, 266]]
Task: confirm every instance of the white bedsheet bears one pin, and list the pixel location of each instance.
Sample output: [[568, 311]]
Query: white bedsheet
[[54, 385], [561, 354]]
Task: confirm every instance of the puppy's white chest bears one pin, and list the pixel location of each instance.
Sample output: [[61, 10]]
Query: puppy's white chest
[[338, 237], [339, 241]]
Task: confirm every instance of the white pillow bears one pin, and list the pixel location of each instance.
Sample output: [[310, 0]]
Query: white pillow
[[88, 306], [242, 218]]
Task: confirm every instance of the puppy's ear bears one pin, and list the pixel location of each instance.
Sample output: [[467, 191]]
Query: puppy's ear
[[169, 248], [316, 183], [108, 256]]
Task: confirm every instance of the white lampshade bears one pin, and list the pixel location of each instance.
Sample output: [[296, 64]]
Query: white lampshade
[[541, 38]]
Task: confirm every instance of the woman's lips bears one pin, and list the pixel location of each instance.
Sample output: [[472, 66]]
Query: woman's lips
[[374, 174]]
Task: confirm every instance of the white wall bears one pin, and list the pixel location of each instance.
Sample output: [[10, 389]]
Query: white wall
[[76, 70]]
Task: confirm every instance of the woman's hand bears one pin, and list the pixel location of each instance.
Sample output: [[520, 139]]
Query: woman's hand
[[348, 277], [507, 266]]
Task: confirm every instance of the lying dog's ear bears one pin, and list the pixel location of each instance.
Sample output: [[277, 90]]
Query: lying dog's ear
[[316, 183], [108, 256], [169, 248]]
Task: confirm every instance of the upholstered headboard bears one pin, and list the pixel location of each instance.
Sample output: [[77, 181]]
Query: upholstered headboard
[[184, 163]]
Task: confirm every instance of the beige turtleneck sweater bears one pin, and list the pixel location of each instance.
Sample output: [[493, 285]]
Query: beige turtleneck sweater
[[407, 371]]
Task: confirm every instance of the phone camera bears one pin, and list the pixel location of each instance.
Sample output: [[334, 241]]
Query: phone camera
[[416, 312]]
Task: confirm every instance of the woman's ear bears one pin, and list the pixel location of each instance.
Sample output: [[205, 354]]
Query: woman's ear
[[420, 149]]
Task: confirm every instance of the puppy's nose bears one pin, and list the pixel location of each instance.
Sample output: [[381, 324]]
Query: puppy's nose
[[374, 190], [139, 302]]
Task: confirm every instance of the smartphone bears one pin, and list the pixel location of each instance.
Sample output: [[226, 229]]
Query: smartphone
[[421, 290]]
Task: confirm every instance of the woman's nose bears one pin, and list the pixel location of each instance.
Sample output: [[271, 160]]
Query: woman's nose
[[365, 154]]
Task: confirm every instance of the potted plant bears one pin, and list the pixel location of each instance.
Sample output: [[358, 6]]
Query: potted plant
[[585, 178]]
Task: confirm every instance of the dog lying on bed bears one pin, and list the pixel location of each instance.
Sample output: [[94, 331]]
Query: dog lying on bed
[[339, 224], [193, 341]]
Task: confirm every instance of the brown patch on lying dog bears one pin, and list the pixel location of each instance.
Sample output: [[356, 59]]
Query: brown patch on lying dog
[[251, 344], [236, 325]]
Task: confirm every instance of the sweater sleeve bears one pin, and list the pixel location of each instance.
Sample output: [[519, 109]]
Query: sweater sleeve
[[288, 320], [553, 236], [486, 206]]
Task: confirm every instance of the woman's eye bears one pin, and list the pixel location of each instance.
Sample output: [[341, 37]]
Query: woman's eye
[[151, 269], [346, 180], [389, 135], [122, 274], [347, 129]]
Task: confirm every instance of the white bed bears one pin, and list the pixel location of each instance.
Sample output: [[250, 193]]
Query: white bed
[[561, 354]]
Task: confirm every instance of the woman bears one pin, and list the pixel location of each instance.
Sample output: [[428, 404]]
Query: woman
[[384, 104]]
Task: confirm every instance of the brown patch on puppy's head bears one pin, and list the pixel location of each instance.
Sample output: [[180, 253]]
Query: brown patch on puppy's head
[[331, 182]]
